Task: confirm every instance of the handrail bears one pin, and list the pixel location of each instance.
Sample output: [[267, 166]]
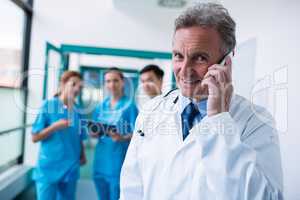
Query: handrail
[[14, 129]]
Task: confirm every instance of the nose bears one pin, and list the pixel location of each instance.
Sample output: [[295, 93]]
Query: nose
[[186, 68]]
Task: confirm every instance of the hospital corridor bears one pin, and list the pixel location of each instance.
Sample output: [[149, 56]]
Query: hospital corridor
[[149, 100]]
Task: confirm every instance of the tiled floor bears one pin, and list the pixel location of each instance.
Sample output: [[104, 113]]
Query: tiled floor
[[86, 190], [86, 170], [85, 187]]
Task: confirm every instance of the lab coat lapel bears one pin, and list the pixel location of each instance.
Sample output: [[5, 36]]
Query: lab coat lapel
[[166, 118]]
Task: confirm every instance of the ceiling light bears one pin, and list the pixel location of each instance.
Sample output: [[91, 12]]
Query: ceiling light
[[172, 3]]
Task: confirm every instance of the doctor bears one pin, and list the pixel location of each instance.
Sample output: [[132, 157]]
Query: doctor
[[61, 149], [119, 110], [202, 141]]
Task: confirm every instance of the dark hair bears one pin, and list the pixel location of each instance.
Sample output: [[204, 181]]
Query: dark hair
[[156, 70], [114, 70], [66, 76]]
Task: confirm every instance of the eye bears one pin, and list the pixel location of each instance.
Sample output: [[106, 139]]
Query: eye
[[177, 56], [200, 59]]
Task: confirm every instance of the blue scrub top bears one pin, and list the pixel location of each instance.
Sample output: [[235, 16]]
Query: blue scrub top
[[59, 156], [109, 155]]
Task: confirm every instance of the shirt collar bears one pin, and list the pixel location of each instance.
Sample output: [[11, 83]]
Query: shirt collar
[[184, 101]]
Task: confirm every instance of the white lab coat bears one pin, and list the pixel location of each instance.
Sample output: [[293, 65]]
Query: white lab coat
[[234, 155]]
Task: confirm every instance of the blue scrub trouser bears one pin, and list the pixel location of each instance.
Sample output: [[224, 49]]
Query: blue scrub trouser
[[108, 188], [56, 191]]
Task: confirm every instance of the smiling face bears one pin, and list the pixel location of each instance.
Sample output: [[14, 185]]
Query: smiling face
[[195, 49]]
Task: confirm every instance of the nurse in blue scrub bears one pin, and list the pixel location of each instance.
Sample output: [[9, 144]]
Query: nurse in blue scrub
[[119, 110], [61, 149]]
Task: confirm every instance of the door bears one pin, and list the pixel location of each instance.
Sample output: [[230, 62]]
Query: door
[[56, 63]]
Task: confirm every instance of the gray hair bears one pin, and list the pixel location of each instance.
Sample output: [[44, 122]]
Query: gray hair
[[210, 15]]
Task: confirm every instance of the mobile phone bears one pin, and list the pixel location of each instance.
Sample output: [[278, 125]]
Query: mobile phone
[[223, 60]]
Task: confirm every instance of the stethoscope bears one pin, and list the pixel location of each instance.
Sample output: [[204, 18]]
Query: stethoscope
[[140, 132], [221, 62]]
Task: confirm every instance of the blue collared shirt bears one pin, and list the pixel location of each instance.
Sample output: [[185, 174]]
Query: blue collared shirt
[[201, 105]]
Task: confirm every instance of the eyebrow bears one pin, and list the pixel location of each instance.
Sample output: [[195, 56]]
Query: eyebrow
[[113, 79], [206, 55], [175, 51], [196, 53]]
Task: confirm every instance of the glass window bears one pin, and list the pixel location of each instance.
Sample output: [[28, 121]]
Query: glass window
[[11, 107], [7, 141], [12, 20], [11, 41]]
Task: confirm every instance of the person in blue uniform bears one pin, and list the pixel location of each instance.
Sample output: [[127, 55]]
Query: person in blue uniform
[[57, 128], [120, 111]]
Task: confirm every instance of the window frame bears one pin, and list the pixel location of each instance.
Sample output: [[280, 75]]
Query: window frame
[[27, 8]]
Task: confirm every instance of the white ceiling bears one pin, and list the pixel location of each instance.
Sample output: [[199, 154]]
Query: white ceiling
[[153, 4], [150, 13]]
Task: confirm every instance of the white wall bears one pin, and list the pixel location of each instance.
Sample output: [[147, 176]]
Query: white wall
[[275, 26], [272, 24]]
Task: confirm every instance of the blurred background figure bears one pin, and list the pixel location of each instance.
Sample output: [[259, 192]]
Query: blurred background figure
[[117, 109], [151, 78], [61, 150]]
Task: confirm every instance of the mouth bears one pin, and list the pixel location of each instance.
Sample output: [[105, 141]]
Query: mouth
[[190, 82]]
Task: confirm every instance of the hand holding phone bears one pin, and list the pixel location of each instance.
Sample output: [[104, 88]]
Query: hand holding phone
[[218, 80]]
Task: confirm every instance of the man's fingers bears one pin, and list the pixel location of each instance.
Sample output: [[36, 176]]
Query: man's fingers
[[219, 75], [225, 72], [212, 85], [228, 67], [228, 62]]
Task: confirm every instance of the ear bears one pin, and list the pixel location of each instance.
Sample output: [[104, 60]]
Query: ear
[[160, 81]]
